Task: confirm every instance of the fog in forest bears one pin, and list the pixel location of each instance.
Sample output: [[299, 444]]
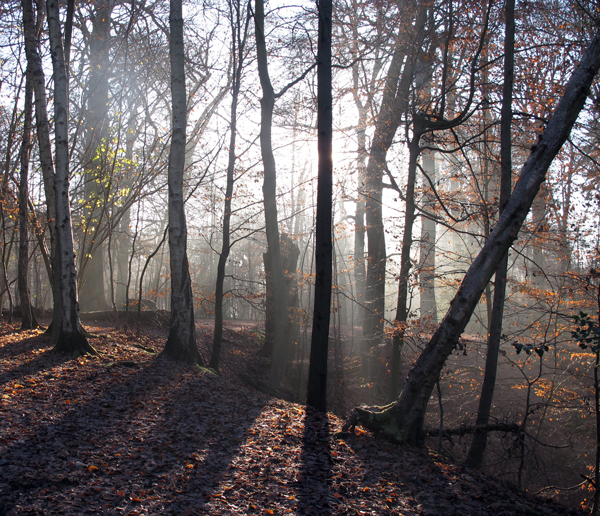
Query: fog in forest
[[422, 113]]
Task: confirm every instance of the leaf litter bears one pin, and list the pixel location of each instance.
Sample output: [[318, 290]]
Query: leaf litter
[[125, 433]]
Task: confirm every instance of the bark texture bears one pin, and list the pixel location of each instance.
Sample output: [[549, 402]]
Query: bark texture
[[181, 343], [32, 25], [71, 338], [28, 319]]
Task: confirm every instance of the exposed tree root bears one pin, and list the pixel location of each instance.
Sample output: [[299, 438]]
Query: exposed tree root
[[74, 344], [384, 423]]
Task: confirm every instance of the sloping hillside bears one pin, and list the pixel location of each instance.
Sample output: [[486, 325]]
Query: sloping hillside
[[124, 433]]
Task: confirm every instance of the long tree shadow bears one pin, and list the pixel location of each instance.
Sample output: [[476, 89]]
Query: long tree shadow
[[157, 427], [24, 345], [205, 424], [314, 483], [43, 359], [59, 433]]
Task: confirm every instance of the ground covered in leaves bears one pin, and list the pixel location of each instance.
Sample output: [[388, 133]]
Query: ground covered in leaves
[[126, 433]]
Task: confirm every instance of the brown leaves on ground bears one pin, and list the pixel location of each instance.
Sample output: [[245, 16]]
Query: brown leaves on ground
[[124, 433]]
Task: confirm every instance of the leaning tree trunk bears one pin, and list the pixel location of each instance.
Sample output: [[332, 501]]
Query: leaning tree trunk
[[479, 443], [71, 338], [181, 343], [280, 304], [402, 421], [28, 319]]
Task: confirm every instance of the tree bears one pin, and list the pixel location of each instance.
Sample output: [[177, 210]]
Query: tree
[[238, 49], [478, 445], [32, 26], [28, 318], [71, 338], [275, 265], [317, 375], [96, 160], [425, 118], [394, 101], [181, 343], [402, 421]]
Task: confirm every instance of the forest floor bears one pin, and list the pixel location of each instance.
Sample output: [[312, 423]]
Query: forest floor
[[126, 433]]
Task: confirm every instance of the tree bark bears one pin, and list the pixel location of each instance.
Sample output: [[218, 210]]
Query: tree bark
[[428, 303], [181, 343], [280, 303], [479, 443], [238, 49], [317, 374], [71, 338], [402, 421], [28, 319], [414, 150], [32, 25]]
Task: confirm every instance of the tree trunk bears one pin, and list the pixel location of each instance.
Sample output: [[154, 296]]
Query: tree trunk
[[317, 375], [414, 150], [267, 103], [71, 338], [394, 103], [181, 343], [32, 26], [238, 50], [28, 319], [96, 162], [428, 303], [479, 443], [402, 421]]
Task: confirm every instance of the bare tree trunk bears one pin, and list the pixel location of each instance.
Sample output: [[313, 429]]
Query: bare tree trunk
[[479, 443], [267, 104], [181, 343], [405, 264], [95, 161], [317, 375], [238, 43], [394, 103], [28, 319], [71, 338], [32, 28], [428, 303], [402, 421]]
